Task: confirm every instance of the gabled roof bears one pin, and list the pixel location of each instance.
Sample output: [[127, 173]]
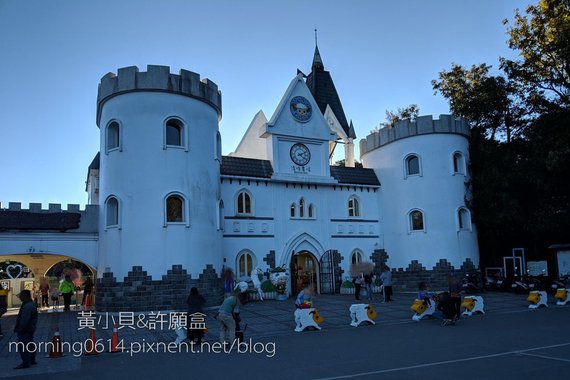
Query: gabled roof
[[246, 167], [355, 176], [321, 85]]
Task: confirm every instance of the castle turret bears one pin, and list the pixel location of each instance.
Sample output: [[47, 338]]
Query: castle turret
[[159, 172], [423, 166]]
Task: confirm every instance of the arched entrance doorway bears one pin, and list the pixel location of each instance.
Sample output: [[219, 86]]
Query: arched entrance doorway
[[304, 272]]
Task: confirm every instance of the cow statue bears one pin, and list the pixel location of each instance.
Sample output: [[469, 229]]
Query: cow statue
[[307, 318], [563, 296], [422, 308], [473, 304], [537, 299], [361, 312]]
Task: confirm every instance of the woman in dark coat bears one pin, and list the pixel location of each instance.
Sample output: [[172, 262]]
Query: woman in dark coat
[[195, 303]]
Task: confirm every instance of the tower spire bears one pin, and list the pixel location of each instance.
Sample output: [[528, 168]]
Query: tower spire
[[317, 61]]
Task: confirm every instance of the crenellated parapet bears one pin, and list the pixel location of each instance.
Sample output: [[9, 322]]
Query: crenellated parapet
[[422, 125], [158, 78], [71, 219]]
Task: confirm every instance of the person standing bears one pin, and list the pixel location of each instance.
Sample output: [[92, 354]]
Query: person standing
[[386, 278], [44, 291], [66, 288], [25, 327], [358, 281], [87, 289], [4, 290], [195, 303], [229, 308], [368, 285]]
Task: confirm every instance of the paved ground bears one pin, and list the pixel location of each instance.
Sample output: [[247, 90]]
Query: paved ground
[[510, 341]]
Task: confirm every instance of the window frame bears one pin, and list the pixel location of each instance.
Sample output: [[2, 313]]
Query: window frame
[[243, 254], [183, 133], [458, 168], [407, 159], [459, 219], [237, 203], [118, 212], [356, 256], [355, 200], [119, 146], [410, 221], [185, 210]]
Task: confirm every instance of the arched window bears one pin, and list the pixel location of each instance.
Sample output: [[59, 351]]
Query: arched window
[[463, 219], [412, 165], [245, 263], [292, 210], [218, 146], [416, 218], [311, 211], [243, 203], [301, 208], [113, 136], [175, 209], [112, 212], [174, 132], [221, 215], [458, 163], [356, 257], [353, 206]]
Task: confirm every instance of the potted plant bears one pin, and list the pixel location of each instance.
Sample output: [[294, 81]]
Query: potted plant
[[268, 289], [279, 278], [347, 287]]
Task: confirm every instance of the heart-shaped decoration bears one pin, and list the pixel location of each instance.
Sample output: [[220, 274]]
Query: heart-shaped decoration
[[14, 270]]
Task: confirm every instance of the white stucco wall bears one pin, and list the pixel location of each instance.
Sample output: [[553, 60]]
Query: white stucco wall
[[143, 172], [438, 192]]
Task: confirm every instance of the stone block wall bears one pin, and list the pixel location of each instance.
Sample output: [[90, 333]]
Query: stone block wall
[[437, 278], [138, 292]]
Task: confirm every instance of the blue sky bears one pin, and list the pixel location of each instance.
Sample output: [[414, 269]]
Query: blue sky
[[381, 54]]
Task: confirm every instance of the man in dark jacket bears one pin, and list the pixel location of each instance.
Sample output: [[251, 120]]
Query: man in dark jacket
[[25, 328]]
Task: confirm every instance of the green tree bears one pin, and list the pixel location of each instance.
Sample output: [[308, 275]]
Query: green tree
[[542, 39], [490, 103], [410, 112]]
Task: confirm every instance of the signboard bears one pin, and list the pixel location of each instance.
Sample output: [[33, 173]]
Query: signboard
[[537, 268]]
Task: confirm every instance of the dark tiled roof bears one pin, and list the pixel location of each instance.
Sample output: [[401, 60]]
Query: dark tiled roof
[[246, 167], [24, 220], [93, 166], [323, 90], [95, 163], [356, 176]]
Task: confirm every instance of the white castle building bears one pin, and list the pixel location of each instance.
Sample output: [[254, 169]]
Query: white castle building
[[167, 211]]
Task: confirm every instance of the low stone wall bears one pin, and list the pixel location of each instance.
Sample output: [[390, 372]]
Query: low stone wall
[[138, 292], [437, 278]]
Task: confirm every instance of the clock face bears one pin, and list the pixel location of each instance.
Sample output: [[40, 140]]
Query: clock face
[[300, 154], [301, 109]]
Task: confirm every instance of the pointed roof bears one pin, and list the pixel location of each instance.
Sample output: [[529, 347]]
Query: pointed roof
[[321, 85]]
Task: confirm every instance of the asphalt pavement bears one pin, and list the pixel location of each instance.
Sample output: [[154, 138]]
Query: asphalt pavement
[[508, 341]]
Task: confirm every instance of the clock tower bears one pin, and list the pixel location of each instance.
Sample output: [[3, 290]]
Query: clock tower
[[299, 137]]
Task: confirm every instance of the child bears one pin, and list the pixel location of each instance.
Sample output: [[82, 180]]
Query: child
[[424, 294], [304, 299], [195, 302], [54, 292]]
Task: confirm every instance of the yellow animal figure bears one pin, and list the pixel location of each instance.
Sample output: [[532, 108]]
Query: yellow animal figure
[[473, 304], [422, 308], [562, 296], [537, 299], [307, 318], [362, 312]]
